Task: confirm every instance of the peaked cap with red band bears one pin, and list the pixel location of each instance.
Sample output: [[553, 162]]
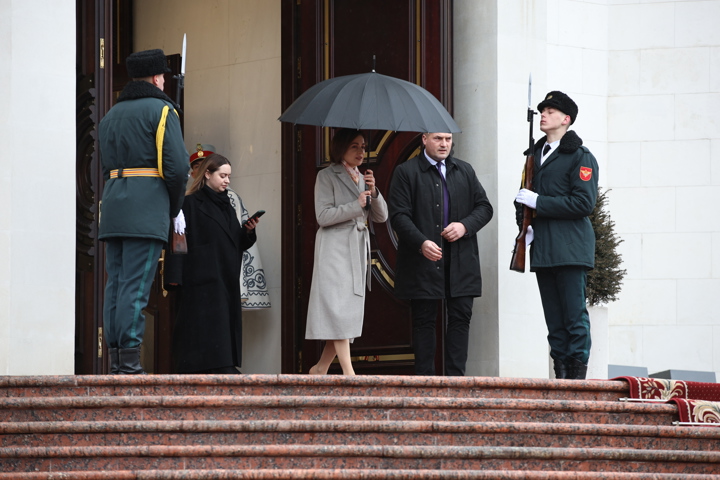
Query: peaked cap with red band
[[201, 152]]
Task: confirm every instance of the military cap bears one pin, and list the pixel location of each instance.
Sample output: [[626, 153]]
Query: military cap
[[560, 101], [147, 63], [202, 151]]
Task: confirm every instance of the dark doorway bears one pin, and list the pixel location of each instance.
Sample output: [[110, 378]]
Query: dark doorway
[[410, 39]]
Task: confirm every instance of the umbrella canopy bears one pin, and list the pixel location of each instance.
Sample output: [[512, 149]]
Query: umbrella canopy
[[370, 101]]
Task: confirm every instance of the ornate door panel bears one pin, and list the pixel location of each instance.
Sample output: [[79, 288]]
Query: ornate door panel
[[99, 44], [409, 39]]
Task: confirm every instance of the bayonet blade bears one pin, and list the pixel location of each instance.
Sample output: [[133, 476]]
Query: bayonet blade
[[184, 49], [529, 90]]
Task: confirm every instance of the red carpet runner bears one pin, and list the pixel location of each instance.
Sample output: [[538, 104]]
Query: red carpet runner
[[697, 402]]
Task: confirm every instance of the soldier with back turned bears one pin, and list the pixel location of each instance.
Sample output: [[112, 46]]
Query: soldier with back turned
[[145, 166]]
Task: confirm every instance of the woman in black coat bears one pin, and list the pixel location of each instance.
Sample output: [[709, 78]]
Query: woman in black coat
[[208, 329]]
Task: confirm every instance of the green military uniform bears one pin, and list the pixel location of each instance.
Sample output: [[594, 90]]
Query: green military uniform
[[565, 185], [142, 206], [563, 248], [144, 163]]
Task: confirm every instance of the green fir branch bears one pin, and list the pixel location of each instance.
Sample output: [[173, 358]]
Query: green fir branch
[[605, 281]]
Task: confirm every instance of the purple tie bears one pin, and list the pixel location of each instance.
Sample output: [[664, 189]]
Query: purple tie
[[446, 196]]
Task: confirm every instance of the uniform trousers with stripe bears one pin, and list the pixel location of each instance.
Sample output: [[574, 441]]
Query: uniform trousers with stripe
[[130, 264], [562, 291]]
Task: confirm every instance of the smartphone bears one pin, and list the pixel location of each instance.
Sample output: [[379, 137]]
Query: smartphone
[[255, 215]]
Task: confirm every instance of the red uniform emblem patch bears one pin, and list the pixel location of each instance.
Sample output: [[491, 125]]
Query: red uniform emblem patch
[[585, 173]]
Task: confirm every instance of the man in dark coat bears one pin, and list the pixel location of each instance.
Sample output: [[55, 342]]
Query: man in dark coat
[[437, 206], [565, 187], [145, 167]]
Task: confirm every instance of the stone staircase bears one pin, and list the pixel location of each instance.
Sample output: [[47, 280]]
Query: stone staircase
[[322, 427]]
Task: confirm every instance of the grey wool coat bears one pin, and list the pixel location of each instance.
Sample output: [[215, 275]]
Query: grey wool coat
[[342, 249]]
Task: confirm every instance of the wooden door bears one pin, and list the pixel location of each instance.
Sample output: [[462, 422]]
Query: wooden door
[[103, 37], [410, 39], [104, 42]]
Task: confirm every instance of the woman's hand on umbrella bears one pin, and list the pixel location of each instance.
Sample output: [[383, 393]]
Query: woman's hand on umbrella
[[370, 182], [363, 198]]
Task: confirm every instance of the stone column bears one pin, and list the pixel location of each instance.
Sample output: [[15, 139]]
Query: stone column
[[496, 47], [37, 187], [475, 94]]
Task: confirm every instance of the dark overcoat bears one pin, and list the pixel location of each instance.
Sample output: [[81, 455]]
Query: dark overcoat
[[567, 185], [415, 204], [208, 327], [130, 135]]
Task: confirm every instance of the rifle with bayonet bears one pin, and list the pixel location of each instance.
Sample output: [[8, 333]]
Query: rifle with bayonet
[[179, 240], [517, 263]]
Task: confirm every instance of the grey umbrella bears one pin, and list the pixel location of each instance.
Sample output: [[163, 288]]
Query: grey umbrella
[[370, 101]]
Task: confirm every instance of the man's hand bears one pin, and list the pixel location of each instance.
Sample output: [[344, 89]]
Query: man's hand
[[179, 223], [454, 231], [431, 251], [527, 197]]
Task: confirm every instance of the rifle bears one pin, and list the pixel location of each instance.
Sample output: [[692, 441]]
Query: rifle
[[517, 263], [178, 245]]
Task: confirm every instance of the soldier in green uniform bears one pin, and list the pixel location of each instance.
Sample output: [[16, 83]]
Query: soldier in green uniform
[[145, 167], [565, 187]]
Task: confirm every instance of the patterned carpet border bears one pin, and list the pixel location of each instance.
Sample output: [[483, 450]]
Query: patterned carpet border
[[697, 402], [663, 389], [697, 411]]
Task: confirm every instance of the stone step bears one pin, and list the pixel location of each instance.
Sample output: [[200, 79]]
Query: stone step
[[372, 427], [270, 407], [312, 385], [346, 474], [194, 457], [556, 435]]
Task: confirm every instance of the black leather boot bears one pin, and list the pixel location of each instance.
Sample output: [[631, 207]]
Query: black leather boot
[[576, 370], [114, 361], [130, 361], [560, 369]]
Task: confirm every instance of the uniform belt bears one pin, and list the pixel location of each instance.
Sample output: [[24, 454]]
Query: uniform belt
[[134, 172]]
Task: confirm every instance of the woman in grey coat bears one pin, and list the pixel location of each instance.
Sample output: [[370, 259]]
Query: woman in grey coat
[[342, 250]]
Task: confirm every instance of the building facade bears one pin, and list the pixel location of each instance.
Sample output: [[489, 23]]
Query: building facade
[[646, 77]]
